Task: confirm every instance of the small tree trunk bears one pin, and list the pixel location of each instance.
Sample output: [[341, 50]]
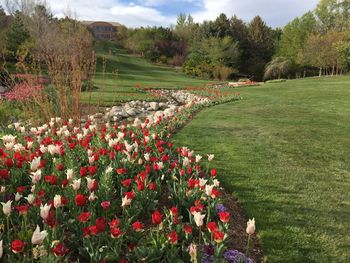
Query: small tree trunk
[[320, 73], [304, 73], [333, 70]]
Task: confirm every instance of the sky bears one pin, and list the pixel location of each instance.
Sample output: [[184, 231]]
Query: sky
[[136, 13]]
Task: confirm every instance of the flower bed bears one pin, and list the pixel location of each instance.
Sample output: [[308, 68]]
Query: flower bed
[[113, 193]]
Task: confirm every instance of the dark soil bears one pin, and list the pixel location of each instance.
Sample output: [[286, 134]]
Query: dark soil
[[237, 230]]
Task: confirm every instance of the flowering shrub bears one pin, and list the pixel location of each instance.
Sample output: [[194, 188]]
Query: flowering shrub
[[108, 193], [22, 91]]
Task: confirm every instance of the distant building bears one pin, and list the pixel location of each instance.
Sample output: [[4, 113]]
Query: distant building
[[103, 30]]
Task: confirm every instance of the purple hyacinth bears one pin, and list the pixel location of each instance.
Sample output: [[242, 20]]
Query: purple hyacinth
[[220, 208], [234, 256], [209, 251]]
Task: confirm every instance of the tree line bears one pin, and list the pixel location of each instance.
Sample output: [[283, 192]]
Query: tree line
[[316, 43]]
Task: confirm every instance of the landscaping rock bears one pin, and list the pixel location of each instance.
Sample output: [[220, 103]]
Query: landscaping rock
[[154, 105]]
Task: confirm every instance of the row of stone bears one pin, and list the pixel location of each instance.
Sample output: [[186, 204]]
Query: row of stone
[[141, 109]]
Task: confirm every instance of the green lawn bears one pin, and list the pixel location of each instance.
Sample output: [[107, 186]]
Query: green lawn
[[284, 151], [122, 71]]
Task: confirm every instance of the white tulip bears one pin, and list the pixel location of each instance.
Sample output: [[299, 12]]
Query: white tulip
[[250, 227], [192, 250], [209, 189], [18, 196], [9, 145], [216, 182], [30, 198], [57, 201], [92, 197], [8, 138], [43, 149], [70, 174], [210, 157], [90, 183], [36, 176], [38, 236], [202, 182], [44, 211], [198, 218], [76, 184], [185, 161], [109, 170], [160, 165], [18, 147], [198, 158], [29, 145], [6, 207], [146, 156], [126, 201]]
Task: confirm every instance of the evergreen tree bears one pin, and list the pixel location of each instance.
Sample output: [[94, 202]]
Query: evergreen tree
[[222, 26], [16, 35], [260, 48]]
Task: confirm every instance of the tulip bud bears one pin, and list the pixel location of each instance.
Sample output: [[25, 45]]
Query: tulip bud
[[6, 207], [250, 227]]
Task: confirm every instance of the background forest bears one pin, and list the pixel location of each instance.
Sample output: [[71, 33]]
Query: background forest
[[316, 43]]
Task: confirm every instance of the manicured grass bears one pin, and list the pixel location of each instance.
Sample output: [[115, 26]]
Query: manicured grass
[[117, 77], [284, 151]]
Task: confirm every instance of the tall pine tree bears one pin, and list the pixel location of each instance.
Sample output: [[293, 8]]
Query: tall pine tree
[[16, 35]]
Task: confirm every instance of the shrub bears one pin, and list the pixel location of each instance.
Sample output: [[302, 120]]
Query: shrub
[[9, 112]]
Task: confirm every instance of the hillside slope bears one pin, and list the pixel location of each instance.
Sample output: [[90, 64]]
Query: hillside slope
[[118, 74]]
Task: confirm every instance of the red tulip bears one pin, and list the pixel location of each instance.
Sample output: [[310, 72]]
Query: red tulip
[[187, 229], [173, 237], [157, 218], [59, 250], [60, 167], [137, 226], [105, 205], [83, 171], [9, 163], [116, 232], [92, 170], [80, 200], [4, 174], [212, 227], [224, 216], [218, 236], [114, 223], [17, 246], [126, 182], [101, 224], [84, 217], [174, 211]]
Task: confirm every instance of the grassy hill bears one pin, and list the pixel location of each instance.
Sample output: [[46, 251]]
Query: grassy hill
[[118, 74], [285, 152]]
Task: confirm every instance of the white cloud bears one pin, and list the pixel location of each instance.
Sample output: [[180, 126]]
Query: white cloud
[[274, 12], [132, 15], [149, 12]]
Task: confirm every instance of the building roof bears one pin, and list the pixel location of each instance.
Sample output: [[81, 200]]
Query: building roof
[[116, 24]]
